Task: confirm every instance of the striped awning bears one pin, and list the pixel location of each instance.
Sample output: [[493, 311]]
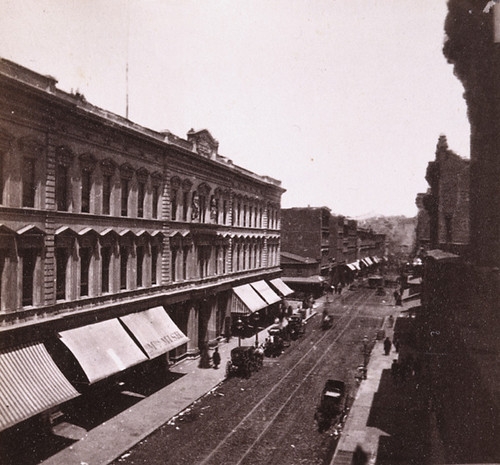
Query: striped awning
[[281, 287], [30, 383], [102, 349], [266, 292], [246, 300]]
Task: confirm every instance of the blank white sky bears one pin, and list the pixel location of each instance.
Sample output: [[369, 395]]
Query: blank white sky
[[341, 100]]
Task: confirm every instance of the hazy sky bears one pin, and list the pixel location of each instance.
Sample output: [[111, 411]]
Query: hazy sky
[[341, 100]]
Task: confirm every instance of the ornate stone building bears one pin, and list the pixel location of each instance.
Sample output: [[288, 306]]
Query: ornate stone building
[[103, 222]]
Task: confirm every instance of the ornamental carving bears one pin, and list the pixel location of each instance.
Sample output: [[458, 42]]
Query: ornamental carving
[[156, 178], [195, 206], [175, 182], [64, 156], [87, 162], [186, 185], [142, 174], [108, 167], [204, 189], [126, 171]]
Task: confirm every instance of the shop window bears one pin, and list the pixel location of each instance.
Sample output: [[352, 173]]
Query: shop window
[[106, 195], [29, 186], [124, 197], [29, 261], [61, 266], [86, 187], [154, 263], [62, 187], [140, 262], [156, 196], [85, 255], [105, 265], [123, 267]]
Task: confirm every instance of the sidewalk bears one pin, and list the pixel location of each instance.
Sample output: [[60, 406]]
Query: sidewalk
[[110, 440], [389, 421]]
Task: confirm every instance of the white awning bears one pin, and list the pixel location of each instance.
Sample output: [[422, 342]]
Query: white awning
[[351, 266], [368, 260], [102, 349], [246, 300], [266, 292], [30, 383], [155, 331], [282, 288]]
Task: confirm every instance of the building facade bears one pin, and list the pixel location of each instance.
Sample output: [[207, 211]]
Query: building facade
[[102, 219]]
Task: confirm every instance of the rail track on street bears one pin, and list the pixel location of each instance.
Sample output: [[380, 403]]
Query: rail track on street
[[269, 418]]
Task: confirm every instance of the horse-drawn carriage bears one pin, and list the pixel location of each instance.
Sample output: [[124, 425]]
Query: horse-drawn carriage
[[244, 360], [327, 321], [332, 406], [274, 345], [296, 326]]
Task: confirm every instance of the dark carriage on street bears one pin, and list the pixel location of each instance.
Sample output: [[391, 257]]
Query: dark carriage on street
[[296, 326], [244, 360], [332, 406], [274, 345], [327, 321]]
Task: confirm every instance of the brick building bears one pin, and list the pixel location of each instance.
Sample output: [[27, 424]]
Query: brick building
[[447, 202], [109, 229]]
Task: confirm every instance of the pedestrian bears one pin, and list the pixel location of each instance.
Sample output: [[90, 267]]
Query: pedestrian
[[387, 346], [396, 297], [216, 358], [396, 343], [395, 370]]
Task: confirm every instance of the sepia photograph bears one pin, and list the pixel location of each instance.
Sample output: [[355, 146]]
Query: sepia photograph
[[249, 232]]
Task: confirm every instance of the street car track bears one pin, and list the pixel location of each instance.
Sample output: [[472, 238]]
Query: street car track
[[347, 317]]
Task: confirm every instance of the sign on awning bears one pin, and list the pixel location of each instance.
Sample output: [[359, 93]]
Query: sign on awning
[[30, 383], [102, 349], [155, 331]]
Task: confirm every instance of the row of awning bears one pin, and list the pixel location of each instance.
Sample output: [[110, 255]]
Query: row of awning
[[252, 297], [367, 261], [32, 383]]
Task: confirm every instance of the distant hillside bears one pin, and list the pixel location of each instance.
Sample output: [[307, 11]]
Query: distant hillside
[[399, 231]]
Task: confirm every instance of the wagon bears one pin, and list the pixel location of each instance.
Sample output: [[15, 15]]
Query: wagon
[[244, 360], [332, 406], [296, 326], [274, 344]]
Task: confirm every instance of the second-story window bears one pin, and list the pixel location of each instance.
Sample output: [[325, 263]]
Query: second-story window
[[62, 187], [124, 197], [28, 276], [61, 264], [173, 271], [185, 254], [29, 186], [156, 196], [203, 207], [123, 267], [154, 263], [106, 195], [105, 264], [85, 255], [224, 212], [140, 262], [86, 186], [185, 205], [173, 204], [141, 189]]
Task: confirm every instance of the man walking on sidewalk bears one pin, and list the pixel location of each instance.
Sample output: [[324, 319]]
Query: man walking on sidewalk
[[216, 358]]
